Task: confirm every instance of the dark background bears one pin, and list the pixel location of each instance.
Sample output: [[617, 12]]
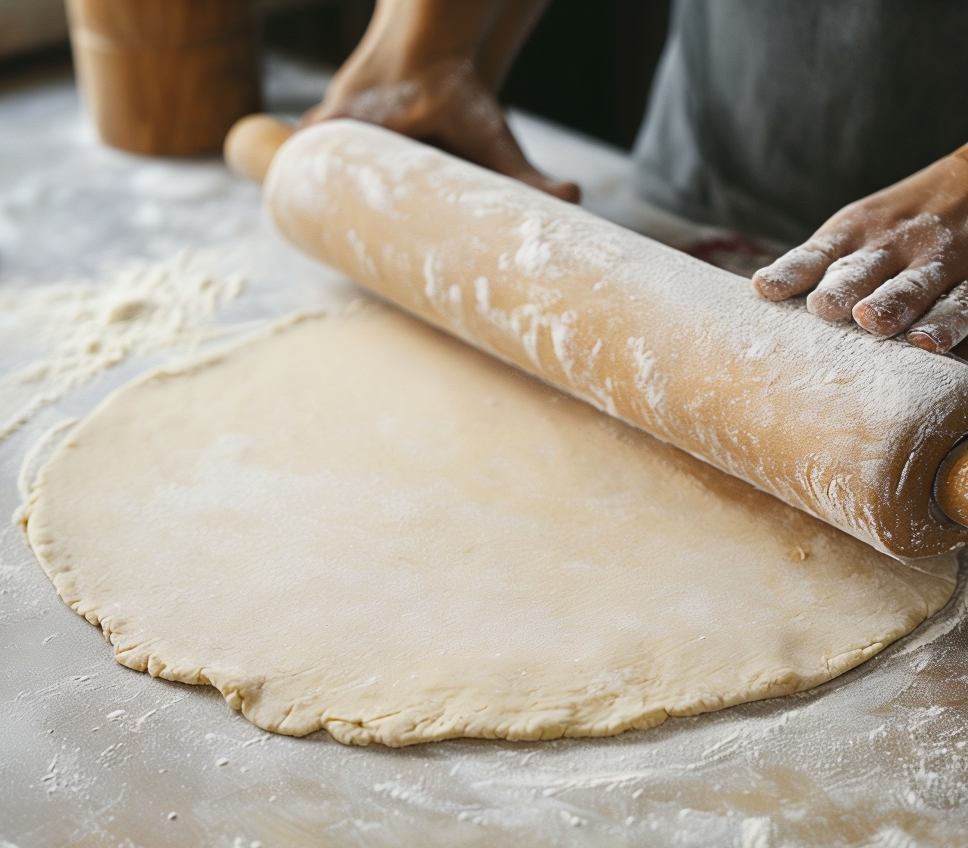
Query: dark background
[[587, 65]]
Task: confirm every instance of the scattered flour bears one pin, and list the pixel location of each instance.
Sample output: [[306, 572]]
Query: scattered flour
[[79, 329], [757, 833]]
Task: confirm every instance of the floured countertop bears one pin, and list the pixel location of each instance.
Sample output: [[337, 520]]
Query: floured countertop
[[94, 754]]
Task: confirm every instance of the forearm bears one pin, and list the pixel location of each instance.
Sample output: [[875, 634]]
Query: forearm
[[430, 69], [416, 33], [510, 29]]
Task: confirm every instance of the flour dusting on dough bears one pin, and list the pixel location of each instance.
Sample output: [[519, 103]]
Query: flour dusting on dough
[[407, 541], [826, 417]]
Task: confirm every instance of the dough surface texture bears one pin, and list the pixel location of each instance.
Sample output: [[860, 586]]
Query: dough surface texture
[[357, 523]]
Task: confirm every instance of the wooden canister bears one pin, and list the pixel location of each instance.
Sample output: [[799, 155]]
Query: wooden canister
[[166, 77]]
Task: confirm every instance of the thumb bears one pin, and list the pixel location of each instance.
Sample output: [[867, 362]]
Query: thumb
[[562, 189], [500, 151]]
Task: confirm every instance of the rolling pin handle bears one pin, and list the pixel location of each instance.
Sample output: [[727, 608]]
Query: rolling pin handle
[[951, 484], [252, 143]]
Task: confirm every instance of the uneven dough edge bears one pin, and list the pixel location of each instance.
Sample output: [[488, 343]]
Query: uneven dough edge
[[447, 716]]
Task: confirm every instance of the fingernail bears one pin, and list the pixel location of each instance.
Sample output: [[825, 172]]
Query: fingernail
[[923, 340], [884, 318], [765, 287], [829, 306]]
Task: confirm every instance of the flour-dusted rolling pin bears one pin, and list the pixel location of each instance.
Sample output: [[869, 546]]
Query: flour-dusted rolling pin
[[824, 416]]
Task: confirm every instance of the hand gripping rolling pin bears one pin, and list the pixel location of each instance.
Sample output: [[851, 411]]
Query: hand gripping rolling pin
[[863, 433]]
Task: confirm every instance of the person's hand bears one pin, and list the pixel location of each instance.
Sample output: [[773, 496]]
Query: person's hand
[[417, 72], [445, 104], [895, 262]]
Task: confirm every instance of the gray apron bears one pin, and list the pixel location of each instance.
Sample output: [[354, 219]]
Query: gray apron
[[767, 116]]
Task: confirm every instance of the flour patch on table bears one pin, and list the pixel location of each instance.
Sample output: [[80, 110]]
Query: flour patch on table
[[79, 329]]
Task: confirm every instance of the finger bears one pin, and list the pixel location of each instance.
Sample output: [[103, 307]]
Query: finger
[[848, 280], [313, 116], [800, 269], [895, 305], [325, 111], [945, 324], [562, 189], [498, 150], [502, 153]]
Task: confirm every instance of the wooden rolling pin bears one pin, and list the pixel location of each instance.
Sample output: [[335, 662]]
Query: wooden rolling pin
[[825, 416]]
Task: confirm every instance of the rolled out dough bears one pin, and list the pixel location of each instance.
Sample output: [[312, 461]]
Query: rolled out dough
[[356, 523]]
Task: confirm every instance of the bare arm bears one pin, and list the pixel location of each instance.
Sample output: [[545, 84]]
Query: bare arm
[[430, 69]]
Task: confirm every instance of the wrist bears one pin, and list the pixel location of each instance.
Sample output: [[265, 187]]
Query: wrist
[[418, 33]]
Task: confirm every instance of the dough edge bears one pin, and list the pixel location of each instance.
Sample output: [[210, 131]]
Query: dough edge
[[450, 715]]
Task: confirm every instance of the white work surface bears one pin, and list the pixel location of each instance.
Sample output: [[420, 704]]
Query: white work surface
[[93, 754]]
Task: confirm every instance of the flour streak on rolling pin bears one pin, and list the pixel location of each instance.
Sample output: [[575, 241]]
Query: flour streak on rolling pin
[[860, 432]]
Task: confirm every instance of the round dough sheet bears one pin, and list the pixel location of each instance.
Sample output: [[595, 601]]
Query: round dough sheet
[[357, 523]]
